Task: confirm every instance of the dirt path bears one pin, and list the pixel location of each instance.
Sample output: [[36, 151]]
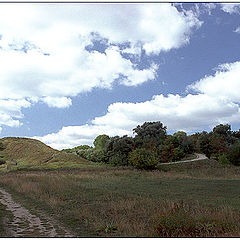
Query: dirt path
[[25, 224], [199, 156]]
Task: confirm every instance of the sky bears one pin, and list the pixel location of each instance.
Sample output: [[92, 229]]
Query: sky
[[72, 71]]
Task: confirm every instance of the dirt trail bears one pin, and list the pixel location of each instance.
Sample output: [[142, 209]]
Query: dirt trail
[[25, 224], [199, 156]]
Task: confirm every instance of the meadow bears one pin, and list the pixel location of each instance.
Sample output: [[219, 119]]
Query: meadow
[[192, 200]]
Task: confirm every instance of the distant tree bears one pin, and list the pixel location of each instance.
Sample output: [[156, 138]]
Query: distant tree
[[166, 149], [150, 134], [236, 134], [100, 141], [204, 144], [234, 154], [222, 129], [184, 142]]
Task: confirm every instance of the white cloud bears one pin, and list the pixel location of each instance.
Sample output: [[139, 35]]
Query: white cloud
[[225, 82], [43, 55], [189, 113], [59, 102], [237, 30], [216, 101], [231, 7], [71, 136], [10, 112]]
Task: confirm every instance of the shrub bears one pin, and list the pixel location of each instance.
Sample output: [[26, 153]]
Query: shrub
[[118, 148], [178, 154], [118, 159], [234, 155], [93, 155], [142, 158], [223, 159]]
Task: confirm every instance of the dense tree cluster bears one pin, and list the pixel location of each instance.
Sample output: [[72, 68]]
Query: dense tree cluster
[[152, 145]]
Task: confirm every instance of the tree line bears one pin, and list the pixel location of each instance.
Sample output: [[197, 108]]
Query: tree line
[[152, 145]]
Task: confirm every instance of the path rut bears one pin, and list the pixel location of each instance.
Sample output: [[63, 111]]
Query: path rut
[[25, 224]]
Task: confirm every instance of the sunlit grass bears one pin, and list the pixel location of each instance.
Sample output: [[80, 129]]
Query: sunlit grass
[[129, 203]]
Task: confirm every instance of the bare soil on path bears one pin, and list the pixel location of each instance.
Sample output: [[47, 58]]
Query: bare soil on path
[[199, 157], [25, 224]]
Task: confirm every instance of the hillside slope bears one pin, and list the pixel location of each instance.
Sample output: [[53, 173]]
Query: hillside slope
[[26, 152]]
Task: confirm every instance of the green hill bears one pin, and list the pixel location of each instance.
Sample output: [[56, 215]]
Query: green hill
[[31, 153]]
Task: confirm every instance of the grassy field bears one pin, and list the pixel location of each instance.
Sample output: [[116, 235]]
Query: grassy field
[[195, 199], [25, 153]]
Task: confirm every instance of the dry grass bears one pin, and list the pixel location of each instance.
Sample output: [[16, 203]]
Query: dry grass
[[31, 153], [128, 203]]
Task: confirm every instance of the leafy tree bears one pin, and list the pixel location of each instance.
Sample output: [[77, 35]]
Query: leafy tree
[[222, 129], [178, 154], [184, 142], [204, 144], [234, 154], [100, 141], [119, 146], [150, 134], [166, 149]]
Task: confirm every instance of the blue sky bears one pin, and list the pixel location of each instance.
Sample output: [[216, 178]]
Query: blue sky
[[70, 72]]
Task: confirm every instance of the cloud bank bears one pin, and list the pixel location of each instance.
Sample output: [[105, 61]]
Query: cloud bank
[[44, 57], [215, 99]]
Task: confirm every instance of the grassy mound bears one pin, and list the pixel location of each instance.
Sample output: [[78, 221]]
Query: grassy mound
[[31, 153]]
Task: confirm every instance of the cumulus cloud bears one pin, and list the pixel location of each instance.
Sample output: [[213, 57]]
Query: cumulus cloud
[[189, 113], [59, 102], [215, 100], [71, 136], [10, 111], [43, 51], [231, 7], [225, 82]]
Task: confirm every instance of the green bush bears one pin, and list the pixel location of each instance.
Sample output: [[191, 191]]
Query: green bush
[[223, 159], [118, 159], [234, 155], [142, 158], [178, 154], [93, 155]]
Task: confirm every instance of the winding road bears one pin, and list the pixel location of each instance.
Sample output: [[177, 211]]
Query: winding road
[[199, 157]]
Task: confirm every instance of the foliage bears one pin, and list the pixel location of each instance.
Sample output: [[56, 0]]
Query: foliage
[[118, 148], [234, 154], [150, 134], [76, 149], [93, 155], [142, 158], [178, 154], [223, 159], [118, 159], [165, 150], [100, 141], [204, 144]]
